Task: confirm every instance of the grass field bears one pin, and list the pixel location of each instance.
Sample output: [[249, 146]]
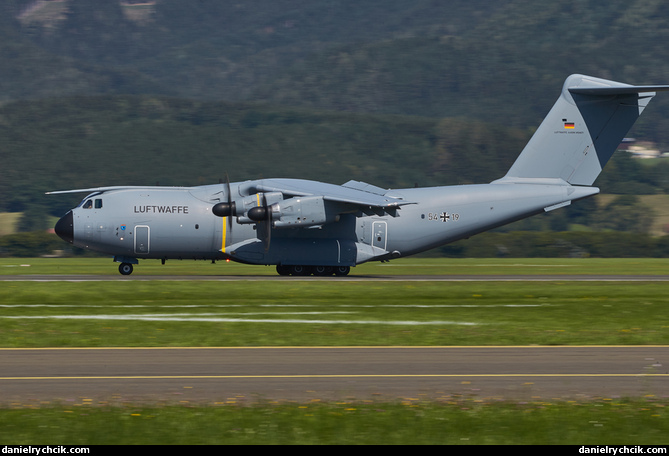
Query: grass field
[[456, 421], [335, 312], [658, 203], [407, 266], [9, 222], [57, 314]]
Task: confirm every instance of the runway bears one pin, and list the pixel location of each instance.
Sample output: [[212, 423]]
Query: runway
[[350, 278], [248, 375]]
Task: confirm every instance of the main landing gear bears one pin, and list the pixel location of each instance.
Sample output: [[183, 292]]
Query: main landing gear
[[321, 271], [125, 268], [298, 270]]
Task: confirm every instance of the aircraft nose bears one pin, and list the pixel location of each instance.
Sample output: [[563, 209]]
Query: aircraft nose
[[65, 228]]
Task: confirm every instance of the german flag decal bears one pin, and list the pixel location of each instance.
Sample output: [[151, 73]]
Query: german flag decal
[[568, 125]]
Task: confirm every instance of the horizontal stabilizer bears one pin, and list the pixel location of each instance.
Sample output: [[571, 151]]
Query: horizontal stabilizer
[[623, 90]]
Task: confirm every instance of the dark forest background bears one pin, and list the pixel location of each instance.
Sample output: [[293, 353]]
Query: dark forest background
[[394, 93]]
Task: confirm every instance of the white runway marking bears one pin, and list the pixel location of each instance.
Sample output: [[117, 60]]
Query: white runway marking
[[217, 319], [482, 265], [192, 306], [275, 316]]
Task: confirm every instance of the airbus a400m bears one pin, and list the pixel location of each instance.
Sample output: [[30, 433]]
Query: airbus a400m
[[306, 227]]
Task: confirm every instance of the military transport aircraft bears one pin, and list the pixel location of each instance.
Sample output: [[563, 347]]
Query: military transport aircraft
[[305, 227]]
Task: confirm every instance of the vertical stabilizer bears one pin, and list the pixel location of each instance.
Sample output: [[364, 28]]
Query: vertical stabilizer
[[582, 130]]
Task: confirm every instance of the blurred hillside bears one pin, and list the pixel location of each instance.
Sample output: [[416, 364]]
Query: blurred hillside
[[483, 59], [100, 92]]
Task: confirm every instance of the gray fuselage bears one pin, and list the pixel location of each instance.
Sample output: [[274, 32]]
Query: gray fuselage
[[178, 223]]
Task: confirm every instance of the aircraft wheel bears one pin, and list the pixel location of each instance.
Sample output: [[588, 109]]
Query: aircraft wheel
[[299, 270], [342, 270], [125, 268], [282, 270], [323, 271]]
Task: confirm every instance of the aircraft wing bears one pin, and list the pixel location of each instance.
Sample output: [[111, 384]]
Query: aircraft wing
[[118, 187], [353, 192]]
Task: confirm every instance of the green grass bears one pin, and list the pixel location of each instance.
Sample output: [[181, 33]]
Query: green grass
[[68, 314], [452, 420], [406, 266], [9, 222], [335, 312], [657, 203]]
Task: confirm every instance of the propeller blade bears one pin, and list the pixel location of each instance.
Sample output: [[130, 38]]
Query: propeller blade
[[227, 208], [229, 193], [268, 223]]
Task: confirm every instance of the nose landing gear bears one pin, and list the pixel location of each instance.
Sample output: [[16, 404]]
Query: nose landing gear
[[125, 268]]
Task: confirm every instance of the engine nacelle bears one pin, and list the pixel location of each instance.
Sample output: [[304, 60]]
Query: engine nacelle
[[300, 211], [251, 208]]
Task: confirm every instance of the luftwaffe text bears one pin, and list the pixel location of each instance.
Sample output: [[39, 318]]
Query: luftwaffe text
[[161, 209]]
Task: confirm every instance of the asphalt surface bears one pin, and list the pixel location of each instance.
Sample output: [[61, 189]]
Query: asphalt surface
[[350, 278], [248, 375], [239, 375]]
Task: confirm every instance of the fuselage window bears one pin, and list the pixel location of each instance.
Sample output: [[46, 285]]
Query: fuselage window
[[88, 204], [98, 204]]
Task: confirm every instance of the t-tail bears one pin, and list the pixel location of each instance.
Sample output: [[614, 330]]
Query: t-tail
[[581, 132]]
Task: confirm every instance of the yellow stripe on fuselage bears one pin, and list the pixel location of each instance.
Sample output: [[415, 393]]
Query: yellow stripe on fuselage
[[225, 232], [225, 227]]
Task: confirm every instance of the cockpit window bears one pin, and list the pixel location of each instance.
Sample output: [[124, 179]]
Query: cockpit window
[[88, 204]]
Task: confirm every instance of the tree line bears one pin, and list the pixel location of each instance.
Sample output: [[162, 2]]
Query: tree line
[[82, 142]]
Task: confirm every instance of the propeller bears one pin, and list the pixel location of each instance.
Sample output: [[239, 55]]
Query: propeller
[[227, 209], [260, 214], [263, 214]]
